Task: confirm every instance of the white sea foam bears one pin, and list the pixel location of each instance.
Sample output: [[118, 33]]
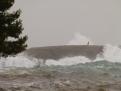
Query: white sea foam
[[68, 61], [17, 62], [110, 53], [21, 61]]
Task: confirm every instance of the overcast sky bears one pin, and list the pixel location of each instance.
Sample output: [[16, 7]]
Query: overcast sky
[[53, 22]]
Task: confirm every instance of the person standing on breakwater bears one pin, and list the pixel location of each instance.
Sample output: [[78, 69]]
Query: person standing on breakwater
[[88, 43]]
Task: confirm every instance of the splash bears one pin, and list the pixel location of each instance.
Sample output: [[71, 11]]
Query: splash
[[18, 61], [67, 61], [80, 40], [24, 62], [112, 53]]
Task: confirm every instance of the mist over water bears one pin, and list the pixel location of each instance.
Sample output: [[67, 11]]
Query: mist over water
[[79, 39], [112, 53]]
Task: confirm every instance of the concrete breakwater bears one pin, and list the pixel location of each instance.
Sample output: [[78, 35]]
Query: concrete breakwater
[[58, 52]]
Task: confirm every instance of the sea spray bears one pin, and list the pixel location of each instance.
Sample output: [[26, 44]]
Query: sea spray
[[68, 61], [110, 54], [20, 61], [79, 39], [17, 61]]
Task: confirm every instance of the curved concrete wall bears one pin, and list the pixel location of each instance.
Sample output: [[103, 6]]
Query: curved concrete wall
[[57, 52]]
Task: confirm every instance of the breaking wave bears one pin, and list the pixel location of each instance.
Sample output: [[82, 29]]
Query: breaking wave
[[110, 54]]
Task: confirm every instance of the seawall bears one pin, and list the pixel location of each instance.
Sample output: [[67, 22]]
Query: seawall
[[57, 52]]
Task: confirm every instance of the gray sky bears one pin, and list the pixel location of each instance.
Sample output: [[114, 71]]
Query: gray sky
[[53, 22]]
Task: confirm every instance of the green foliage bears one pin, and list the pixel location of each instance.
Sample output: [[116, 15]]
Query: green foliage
[[5, 4], [10, 28]]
